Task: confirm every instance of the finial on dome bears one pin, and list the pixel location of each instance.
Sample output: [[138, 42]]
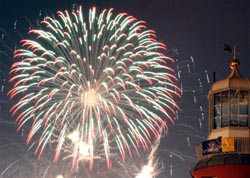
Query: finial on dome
[[234, 64]]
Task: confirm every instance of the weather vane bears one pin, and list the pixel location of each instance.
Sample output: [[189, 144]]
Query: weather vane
[[229, 49]]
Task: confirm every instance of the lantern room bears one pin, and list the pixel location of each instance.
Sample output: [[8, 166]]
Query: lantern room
[[229, 105]]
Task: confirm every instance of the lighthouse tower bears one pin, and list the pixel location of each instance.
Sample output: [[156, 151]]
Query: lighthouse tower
[[226, 152]]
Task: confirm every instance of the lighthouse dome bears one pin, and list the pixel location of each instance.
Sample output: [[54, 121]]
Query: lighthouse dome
[[233, 81]]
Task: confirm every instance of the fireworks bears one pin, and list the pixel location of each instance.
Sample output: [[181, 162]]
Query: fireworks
[[102, 83], [151, 169], [23, 164]]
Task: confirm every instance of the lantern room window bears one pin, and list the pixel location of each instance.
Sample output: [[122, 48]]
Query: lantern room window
[[231, 108]]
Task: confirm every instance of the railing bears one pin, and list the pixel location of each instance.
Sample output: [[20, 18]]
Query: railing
[[241, 146]]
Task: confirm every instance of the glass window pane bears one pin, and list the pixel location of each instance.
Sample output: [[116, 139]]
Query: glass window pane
[[243, 109], [234, 111], [234, 95], [234, 120], [243, 121], [225, 96], [217, 98], [217, 123], [225, 109], [217, 110], [224, 121], [243, 96], [234, 108]]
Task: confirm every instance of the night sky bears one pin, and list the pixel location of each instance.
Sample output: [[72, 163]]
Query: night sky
[[196, 29]]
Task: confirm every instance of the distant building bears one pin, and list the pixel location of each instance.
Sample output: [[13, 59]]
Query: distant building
[[226, 152]]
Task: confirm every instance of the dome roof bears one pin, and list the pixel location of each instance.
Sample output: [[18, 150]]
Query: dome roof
[[233, 81]]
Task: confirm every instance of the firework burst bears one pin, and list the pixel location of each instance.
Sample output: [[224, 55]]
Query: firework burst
[[104, 78]]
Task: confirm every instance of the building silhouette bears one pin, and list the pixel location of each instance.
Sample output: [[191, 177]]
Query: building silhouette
[[226, 152]]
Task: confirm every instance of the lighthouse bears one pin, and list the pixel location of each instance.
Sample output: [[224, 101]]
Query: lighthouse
[[226, 152]]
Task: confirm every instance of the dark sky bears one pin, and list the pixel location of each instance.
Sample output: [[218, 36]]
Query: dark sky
[[198, 29]]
